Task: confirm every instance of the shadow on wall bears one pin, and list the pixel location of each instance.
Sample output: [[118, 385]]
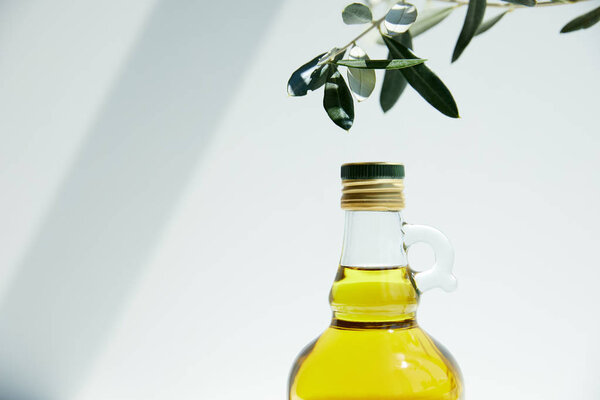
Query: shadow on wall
[[120, 191]]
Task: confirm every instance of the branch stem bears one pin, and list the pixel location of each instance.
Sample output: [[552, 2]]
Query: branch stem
[[512, 5], [458, 3], [374, 24]]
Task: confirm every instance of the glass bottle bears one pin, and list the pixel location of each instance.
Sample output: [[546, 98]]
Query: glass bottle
[[374, 348]]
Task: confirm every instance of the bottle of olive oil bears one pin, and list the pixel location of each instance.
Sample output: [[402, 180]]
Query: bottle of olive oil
[[374, 349]]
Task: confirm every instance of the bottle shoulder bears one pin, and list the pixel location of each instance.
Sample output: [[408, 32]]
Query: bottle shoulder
[[387, 363]]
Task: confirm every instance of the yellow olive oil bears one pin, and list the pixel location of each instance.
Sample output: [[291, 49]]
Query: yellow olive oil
[[374, 348]]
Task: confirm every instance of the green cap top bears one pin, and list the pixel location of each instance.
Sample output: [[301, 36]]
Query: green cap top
[[372, 170]]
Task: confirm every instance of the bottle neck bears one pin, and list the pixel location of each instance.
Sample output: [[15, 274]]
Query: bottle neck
[[373, 239], [374, 287]]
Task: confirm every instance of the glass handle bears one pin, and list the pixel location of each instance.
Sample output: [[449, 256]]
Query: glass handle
[[440, 275]]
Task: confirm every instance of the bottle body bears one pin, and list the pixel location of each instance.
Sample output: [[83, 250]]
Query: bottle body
[[374, 348]]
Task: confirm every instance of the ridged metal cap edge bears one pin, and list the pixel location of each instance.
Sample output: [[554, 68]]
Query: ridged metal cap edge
[[372, 170]]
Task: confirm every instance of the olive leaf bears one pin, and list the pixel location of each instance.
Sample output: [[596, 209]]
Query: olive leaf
[[319, 77], [360, 80], [430, 18], [338, 102], [356, 13], [527, 3], [301, 80], [486, 25], [475, 12], [394, 82], [582, 22], [380, 64], [424, 81], [400, 17]]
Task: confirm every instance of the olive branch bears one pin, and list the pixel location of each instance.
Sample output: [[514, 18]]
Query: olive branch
[[397, 27]]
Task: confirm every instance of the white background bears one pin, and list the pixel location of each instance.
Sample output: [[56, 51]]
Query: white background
[[169, 217]]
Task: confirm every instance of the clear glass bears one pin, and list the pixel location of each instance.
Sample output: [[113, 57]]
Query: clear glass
[[374, 348]]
